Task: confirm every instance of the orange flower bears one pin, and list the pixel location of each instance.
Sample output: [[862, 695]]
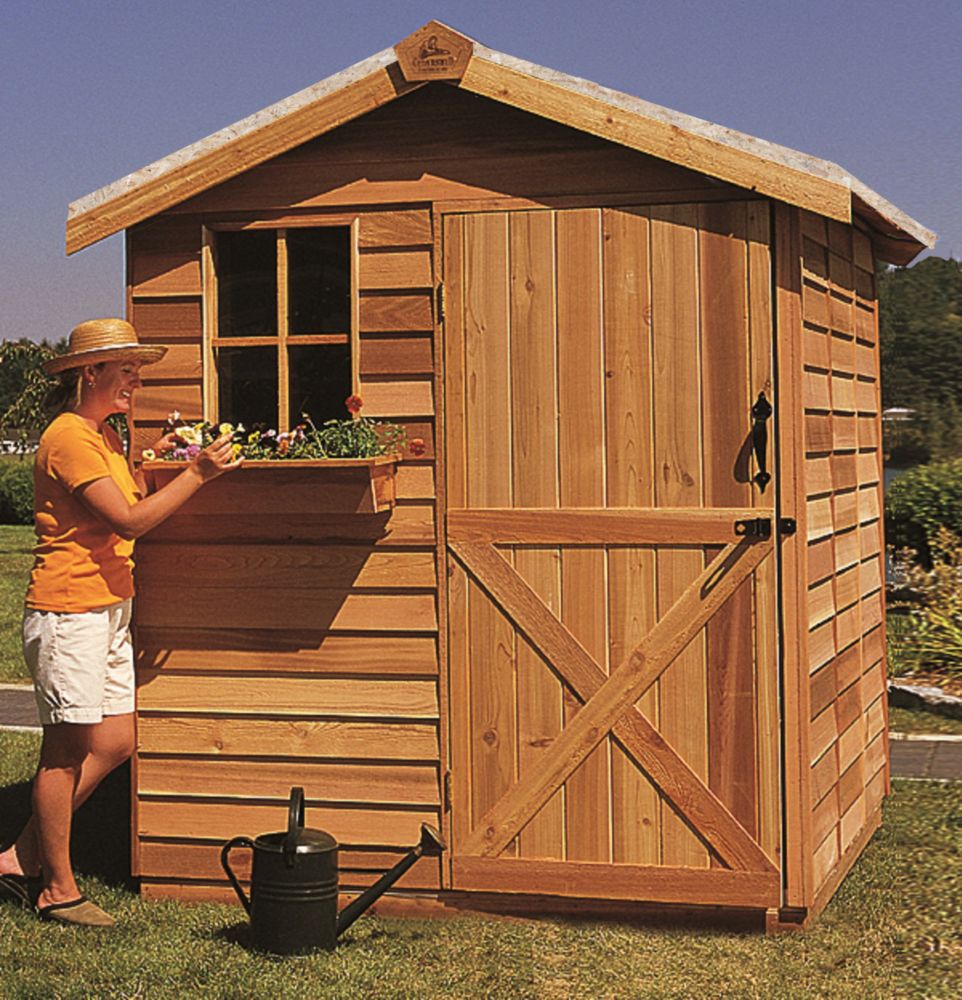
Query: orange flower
[[354, 404], [416, 446]]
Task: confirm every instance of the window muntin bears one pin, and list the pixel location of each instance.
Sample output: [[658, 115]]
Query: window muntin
[[282, 334]]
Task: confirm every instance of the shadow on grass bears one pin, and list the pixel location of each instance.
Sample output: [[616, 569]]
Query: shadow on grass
[[100, 844]]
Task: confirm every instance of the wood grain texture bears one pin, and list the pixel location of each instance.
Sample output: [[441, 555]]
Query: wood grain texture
[[678, 453], [635, 805], [658, 138], [581, 477], [304, 737], [221, 820], [666, 526], [493, 722], [300, 651], [165, 859], [674, 631], [637, 882], [160, 691], [249, 778], [534, 456], [391, 269], [635, 734]]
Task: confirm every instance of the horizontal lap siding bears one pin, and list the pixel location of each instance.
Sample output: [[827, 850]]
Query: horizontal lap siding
[[843, 468], [276, 648]]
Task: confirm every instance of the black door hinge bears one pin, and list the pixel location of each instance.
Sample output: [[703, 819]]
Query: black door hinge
[[439, 297], [446, 791], [787, 526], [754, 527]]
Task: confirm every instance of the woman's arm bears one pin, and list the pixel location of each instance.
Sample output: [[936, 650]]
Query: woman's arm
[[104, 498]]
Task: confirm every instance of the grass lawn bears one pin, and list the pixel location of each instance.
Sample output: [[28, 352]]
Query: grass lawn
[[906, 720], [16, 542], [893, 930]]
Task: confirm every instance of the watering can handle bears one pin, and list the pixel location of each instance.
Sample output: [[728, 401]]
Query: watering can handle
[[225, 864], [295, 823]]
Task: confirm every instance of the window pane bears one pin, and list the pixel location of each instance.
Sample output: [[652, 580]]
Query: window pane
[[319, 280], [247, 284], [320, 381], [247, 385]]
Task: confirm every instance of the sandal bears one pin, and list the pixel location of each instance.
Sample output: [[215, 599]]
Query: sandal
[[23, 889], [77, 911]]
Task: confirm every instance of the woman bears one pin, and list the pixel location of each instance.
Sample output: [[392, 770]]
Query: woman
[[89, 508]]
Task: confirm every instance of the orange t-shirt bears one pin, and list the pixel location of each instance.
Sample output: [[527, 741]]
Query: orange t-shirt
[[79, 563]]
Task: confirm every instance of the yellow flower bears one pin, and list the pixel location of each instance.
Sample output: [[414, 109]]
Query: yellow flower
[[236, 449], [225, 428], [149, 454], [192, 435]]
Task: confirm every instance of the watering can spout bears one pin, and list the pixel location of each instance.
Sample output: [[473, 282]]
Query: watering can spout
[[430, 845]]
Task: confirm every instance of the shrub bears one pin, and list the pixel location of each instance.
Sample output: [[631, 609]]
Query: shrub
[[920, 502], [930, 632], [16, 492]]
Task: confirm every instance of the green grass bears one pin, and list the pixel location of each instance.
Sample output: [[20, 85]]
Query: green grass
[[16, 542], [894, 929], [906, 720]]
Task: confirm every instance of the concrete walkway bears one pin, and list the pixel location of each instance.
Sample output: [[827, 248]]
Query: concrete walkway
[[934, 757]]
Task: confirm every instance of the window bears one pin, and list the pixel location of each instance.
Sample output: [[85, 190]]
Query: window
[[281, 308]]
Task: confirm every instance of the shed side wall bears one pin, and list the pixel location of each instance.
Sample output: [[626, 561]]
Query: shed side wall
[[845, 542]]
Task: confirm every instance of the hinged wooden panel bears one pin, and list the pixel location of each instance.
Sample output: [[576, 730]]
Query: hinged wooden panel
[[592, 554]]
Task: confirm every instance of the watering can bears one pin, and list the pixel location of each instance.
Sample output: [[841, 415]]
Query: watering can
[[293, 899]]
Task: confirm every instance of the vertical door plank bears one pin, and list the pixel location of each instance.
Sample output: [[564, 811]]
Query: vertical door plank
[[726, 401], [459, 679], [582, 484], [678, 483], [535, 476], [635, 813], [488, 457], [766, 658]]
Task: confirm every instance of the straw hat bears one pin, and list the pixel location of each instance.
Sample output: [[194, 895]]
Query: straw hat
[[99, 340]]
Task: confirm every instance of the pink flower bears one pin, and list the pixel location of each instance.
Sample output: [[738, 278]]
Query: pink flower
[[354, 404]]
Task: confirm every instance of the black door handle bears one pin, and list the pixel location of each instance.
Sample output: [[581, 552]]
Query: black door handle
[[761, 411]]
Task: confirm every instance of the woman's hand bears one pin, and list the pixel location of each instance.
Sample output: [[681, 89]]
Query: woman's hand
[[164, 444], [215, 459]]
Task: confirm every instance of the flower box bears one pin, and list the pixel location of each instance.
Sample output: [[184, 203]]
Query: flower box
[[292, 487]]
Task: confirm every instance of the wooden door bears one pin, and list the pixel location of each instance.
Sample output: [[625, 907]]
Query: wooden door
[[611, 638]]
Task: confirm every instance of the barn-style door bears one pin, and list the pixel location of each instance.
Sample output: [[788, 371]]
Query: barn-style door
[[611, 593]]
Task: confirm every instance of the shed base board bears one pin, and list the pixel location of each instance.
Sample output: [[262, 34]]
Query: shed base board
[[498, 906]]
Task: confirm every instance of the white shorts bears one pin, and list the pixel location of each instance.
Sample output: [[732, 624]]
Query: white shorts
[[82, 663]]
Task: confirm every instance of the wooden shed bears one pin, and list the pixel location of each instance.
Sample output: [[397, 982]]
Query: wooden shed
[[588, 640]]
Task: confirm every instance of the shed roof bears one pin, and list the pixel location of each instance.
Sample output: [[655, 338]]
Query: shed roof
[[772, 170]]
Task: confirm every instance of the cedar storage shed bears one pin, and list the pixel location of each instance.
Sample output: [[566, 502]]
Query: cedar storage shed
[[580, 632]]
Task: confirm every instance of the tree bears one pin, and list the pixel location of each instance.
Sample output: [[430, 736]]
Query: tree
[[920, 326], [24, 385]]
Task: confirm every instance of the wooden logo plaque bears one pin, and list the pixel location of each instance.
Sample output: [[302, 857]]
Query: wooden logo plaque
[[434, 52]]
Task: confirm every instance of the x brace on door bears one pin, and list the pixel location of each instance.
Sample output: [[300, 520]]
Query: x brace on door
[[610, 700]]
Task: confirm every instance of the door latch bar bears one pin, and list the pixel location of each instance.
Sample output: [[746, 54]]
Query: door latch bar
[[754, 527]]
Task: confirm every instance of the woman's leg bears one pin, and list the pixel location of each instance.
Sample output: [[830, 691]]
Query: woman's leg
[[104, 746]]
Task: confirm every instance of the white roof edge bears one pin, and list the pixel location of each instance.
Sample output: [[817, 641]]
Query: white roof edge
[[781, 155], [223, 136]]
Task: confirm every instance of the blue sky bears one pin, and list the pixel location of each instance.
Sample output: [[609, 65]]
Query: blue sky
[[93, 89]]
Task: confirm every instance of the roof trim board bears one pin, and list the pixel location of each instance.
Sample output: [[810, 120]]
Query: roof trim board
[[772, 170]]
